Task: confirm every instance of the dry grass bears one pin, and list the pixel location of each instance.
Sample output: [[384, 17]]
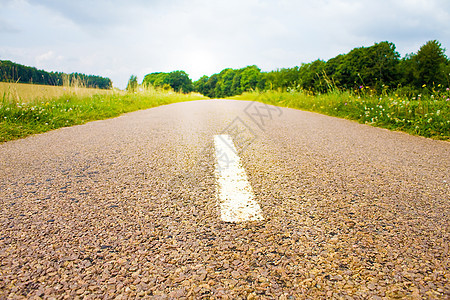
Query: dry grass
[[19, 118], [23, 92]]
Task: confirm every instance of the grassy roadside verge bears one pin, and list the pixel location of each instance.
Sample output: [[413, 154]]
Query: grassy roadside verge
[[427, 116], [18, 120], [25, 92]]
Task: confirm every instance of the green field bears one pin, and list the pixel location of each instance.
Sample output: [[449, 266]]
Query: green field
[[424, 115], [22, 118]]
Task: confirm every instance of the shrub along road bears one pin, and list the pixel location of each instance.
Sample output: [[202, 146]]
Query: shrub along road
[[128, 206]]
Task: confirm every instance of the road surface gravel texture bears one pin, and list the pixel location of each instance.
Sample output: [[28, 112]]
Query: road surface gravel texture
[[127, 207]]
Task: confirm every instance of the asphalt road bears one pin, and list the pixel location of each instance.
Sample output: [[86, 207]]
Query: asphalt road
[[128, 206]]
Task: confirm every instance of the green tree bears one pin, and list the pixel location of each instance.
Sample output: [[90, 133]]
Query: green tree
[[14, 72], [262, 82], [249, 78], [407, 71], [157, 79], [430, 63], [227, 82], [382, 69], [132, 84], [210, 86], [333, 70], [375, 66], [199, 85], [283, 79], [236, 85], [310, 76], [179, 81]]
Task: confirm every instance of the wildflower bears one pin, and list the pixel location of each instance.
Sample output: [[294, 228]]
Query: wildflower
[[361, 87], [424, 85], [447, 89]]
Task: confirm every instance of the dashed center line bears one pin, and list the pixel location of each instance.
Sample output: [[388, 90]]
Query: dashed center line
[[234, 192]]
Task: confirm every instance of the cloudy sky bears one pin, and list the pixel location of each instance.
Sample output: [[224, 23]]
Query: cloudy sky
[[116, 39]]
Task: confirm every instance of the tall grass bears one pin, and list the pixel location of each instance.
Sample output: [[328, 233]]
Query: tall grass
[[424, 115], [20, 119], [25, 92]]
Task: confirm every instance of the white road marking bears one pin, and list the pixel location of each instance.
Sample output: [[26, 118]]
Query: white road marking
[[234, 192]]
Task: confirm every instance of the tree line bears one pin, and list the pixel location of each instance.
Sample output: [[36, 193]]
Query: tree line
[[179, 81], [379, 67], [13, 72]]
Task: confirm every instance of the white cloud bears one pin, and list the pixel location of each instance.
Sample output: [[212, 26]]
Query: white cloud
[[45, 57]]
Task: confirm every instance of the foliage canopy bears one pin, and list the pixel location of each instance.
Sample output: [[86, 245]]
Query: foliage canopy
[[379, 67], [179, 81]]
